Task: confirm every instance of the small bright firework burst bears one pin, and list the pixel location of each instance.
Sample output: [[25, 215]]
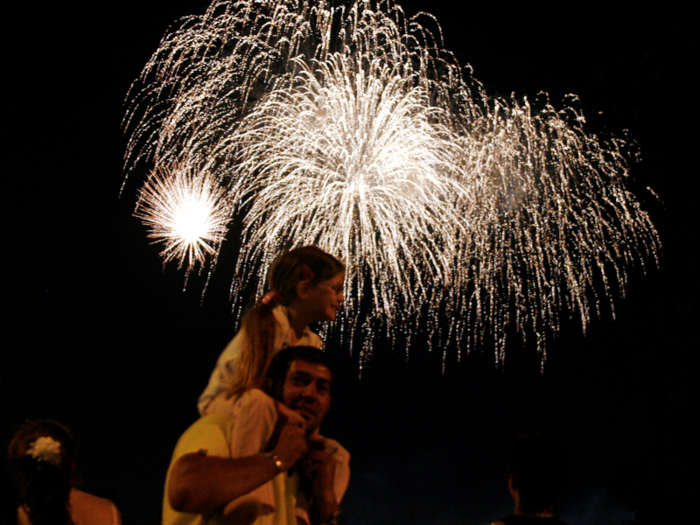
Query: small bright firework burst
[[350, 127], [185, 212]]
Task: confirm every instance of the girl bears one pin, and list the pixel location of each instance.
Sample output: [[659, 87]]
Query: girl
[[305, 285], [43, 456]]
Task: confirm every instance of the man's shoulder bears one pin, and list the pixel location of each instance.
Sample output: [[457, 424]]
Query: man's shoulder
[[221, 420], [210, 434]]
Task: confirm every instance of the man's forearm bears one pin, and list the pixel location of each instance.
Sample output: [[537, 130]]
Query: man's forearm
[[200, 484]]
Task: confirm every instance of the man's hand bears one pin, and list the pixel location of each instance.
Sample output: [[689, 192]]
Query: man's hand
[[291, 444], [318, 468], [287, 415]]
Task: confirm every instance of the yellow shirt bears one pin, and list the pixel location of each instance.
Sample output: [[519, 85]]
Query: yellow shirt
[[211, 435]]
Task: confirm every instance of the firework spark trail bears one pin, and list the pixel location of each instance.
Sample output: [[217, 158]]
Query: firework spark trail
[[351, 128], [557, 218]]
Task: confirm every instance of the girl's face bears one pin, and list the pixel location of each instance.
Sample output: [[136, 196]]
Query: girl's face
[[326, 296]]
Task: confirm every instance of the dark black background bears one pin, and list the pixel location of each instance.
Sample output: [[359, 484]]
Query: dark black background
[[101, 338]]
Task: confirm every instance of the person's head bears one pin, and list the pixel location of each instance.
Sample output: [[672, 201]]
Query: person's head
[[537, 467], [301, 378], [42, 454], [305, 279], [310, 275]]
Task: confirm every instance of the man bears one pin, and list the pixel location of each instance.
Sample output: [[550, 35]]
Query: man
[[264, 464], [536, 472]]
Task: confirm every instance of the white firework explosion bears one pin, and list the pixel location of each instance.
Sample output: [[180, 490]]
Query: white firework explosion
[[185, 212], [364, 169], [349, 127]]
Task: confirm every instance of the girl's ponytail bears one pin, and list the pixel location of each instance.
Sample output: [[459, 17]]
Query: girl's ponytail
[[259, 323]]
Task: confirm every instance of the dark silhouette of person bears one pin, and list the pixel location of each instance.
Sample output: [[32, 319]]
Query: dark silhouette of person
[[537, 467]]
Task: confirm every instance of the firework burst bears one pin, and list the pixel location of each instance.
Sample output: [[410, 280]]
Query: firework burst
[[367, 170], [186, 213], [349, 127]]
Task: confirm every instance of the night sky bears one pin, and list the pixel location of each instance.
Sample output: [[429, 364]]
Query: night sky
[[102, 338]]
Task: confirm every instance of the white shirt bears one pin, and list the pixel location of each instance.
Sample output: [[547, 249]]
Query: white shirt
[[224, 373]]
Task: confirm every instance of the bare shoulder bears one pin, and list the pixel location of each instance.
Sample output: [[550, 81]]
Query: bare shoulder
[[89, 509]]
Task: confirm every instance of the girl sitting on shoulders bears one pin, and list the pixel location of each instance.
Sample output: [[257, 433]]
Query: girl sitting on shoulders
[[305, 285]]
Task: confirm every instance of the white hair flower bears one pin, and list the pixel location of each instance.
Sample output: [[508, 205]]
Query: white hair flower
[[46, 448]]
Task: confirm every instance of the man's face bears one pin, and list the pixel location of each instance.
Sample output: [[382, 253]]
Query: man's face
[[307, 391]]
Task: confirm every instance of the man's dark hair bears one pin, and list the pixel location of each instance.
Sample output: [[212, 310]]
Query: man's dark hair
[[277, 372], [537, 463]]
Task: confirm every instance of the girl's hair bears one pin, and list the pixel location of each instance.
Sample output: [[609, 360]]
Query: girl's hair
[[289, 269], [45, 478]]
